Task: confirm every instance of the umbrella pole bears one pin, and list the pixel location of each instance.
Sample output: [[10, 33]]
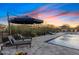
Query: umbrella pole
[[2, 35], [9, 32]]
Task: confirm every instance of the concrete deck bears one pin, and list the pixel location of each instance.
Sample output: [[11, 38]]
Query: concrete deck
[[40, 47]]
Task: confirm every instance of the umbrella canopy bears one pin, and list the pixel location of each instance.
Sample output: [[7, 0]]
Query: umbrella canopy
[[25, 20]]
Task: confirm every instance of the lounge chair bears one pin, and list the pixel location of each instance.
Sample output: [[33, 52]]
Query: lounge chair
[[20, 37], [51, 33], [15, 42]]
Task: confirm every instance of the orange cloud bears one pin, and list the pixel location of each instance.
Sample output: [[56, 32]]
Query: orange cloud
[[53, 20], [73, 14], [72, 23]]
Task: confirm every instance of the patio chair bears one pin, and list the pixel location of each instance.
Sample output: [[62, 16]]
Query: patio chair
[[15, 42]]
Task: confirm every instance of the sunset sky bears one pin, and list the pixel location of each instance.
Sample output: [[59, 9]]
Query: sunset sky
[[56, 14]]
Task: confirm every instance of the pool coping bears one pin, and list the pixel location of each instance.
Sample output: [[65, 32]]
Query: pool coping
[[53, 38], [47, 41]]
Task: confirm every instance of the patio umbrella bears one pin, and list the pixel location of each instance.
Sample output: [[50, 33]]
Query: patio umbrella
[[25, 20]]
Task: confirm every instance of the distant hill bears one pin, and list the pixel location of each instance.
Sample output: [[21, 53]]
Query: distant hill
[[2, 26]]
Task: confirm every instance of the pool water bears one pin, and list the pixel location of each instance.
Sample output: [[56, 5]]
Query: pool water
[[67, 40]]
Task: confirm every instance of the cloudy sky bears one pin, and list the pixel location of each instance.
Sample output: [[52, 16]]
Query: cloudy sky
[[56, 14]]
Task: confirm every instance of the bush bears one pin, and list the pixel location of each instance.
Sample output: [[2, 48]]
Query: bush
[[31, 30]]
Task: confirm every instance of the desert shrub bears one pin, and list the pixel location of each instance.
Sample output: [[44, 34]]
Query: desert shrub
[[31, 30]]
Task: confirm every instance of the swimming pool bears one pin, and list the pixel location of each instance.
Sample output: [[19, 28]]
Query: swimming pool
[[67, 40]]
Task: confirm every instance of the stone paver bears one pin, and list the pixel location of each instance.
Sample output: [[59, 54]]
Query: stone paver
[[40, 47]]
